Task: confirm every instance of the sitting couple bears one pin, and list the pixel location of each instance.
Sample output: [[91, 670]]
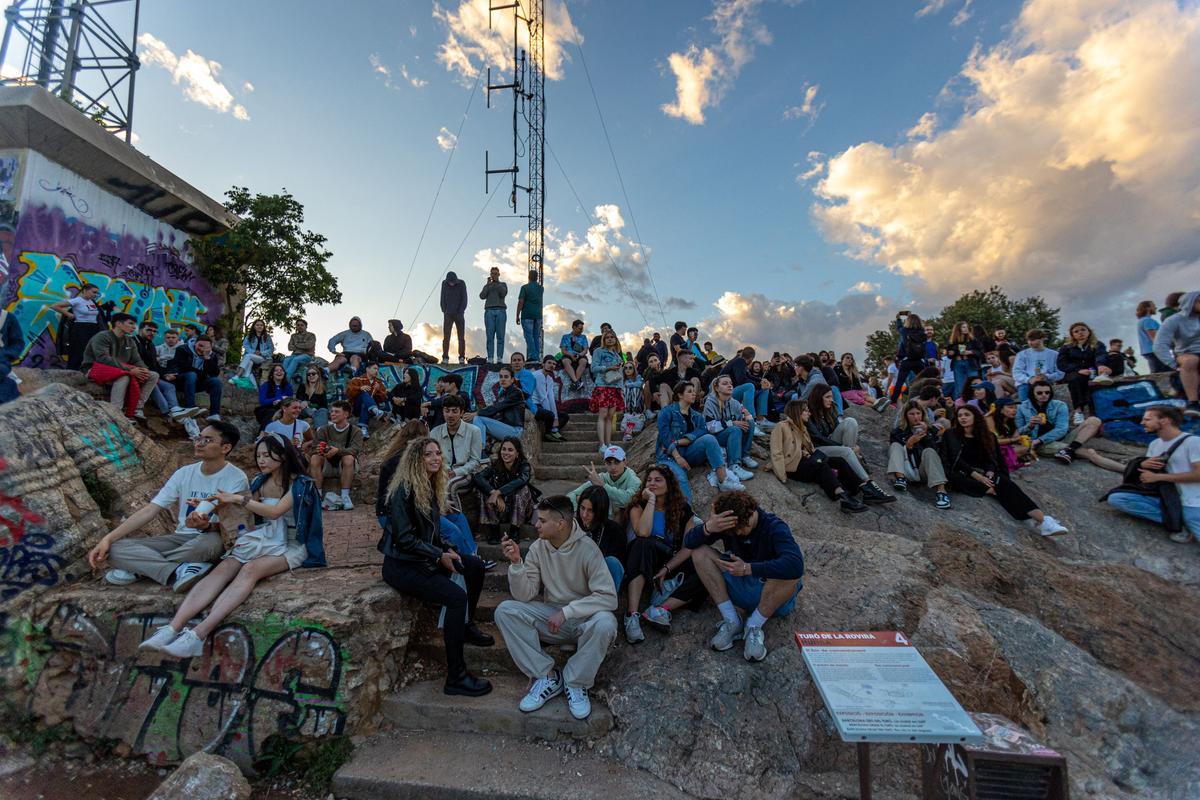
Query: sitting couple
[[285, 533]]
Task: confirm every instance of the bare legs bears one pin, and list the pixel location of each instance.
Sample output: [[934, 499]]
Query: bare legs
[[227, 586]]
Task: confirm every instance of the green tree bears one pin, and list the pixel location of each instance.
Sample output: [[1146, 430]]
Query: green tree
[[267, 264]]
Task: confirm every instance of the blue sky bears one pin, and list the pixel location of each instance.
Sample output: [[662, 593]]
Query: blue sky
[[344, 111]]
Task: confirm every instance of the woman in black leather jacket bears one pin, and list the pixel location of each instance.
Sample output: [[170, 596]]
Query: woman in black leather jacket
[[418, 563]]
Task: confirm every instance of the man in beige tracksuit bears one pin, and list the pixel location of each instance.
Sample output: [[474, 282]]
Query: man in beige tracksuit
[[579, 598]]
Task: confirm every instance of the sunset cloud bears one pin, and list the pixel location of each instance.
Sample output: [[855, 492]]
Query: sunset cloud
[[197, 75], [472, 45]]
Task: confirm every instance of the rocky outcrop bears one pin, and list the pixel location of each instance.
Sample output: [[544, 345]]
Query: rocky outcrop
[[204, 777]]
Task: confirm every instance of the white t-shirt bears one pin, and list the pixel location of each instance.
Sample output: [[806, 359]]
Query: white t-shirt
[[189, 483], [893, 374], [294, 431], [1181, 461], [947, 370], [84, 310]]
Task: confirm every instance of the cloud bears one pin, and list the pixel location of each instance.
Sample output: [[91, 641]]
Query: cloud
[[808, 110], [937, 6], [472, 44], [388, 73], [446, 139], [247, 87], [816, 167], [864, 287], [412, 31], [197, 74], [924, 128], [704, 74], [1073, 172], [681, 303]]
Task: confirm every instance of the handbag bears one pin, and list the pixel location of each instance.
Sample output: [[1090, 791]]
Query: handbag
[[1167, 493]]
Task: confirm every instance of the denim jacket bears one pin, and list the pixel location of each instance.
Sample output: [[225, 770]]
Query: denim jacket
[[602, 361], [672, 428], [306, 508]]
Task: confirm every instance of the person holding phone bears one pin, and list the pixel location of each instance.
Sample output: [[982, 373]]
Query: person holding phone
[[913, 454]]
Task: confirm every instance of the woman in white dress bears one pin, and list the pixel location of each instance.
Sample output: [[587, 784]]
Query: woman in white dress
[[267, 549]]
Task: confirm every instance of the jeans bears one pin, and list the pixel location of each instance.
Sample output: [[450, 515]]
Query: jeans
[[745, 395], [167, 389], [494, 321], [456, 531], [745, 591], [295, 364], [319, 417], [249, 362], [495, 427], [962, 371], [532, 328], [211, 385], [735, 442], [160, 400], [362, 406], [703, 450], [1146, 507], [616, 569], [1023, 392]]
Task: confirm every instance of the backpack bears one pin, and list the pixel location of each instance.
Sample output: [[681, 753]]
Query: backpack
[[914, 344], [1167, 493]]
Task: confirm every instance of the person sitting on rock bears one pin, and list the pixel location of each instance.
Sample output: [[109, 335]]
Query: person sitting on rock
[[752, 389], [313, 396], [547, 387], [445, 386], [1035, 361], [334, 451], [659, 516], [573, 355], [12, 343], [369, 394], [684, 442], [407, 396], [593, 511], [1173, 458], [1046, 422], [417, 561], [505, 418], [288, 507], [289, 425], [506, 497], [617, 480], [795, 457], [257, 349], [198, 369], [913, 454], [355, 342], [733, 425], [112, 357], [837, 437], [975, 467], [164, 394], [758, 569], [398, 346], [271, 395], [181, 558], [303, 348], [567, 569]]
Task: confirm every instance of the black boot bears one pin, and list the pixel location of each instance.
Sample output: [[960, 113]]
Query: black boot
[[852, 505], [473, 636], [873, 495], [492, 532], [467, 685]]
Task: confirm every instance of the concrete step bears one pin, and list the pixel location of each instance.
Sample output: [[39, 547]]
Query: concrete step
[[576, 459], [496, 579], [493, 551], [429, 647], [424, 706], [559, 486], [408, 765], [588, 445], [560, 473], [582, 433]]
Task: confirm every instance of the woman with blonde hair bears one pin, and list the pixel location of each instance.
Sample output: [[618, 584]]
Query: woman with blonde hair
[[417, 562], [851, 383], [966, 354], [1080, 359], [608, 398], [794, 456]]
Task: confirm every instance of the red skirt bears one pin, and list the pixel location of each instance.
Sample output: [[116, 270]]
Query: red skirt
[[607, 397]]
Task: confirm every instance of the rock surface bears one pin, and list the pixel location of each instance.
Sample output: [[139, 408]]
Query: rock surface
[[204, 777]]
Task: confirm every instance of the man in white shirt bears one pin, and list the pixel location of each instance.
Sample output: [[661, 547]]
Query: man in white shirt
[[545, 397], [461, 443], [181, 558], [1035, 361], [289, 425], [1173, 457]]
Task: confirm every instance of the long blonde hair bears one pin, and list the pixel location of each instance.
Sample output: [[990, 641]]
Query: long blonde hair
[[411, 476]]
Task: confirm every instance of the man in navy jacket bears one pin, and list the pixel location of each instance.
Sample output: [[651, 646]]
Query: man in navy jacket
[[199, 369], [759, 570], [454, 307]]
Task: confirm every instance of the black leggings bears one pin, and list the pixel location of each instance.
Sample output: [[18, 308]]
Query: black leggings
[[1081, 394], [822, 472], [1010, 496], [413, 579], [913, 365], [545, 419]]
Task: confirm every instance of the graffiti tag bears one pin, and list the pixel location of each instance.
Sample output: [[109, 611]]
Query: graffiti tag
[[78, 203], [117, 448]]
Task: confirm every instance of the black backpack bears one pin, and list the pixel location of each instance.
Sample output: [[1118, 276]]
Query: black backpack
[[914, 344], [1167, 493]]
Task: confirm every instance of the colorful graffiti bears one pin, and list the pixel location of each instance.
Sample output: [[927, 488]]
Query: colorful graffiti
[[250, 683], [117, 448], [26, 557]]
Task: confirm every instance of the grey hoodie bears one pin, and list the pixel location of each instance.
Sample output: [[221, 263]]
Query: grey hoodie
[[1180, 333], [574, 576]]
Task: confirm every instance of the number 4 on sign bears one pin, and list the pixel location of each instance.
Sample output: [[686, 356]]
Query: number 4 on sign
[[117, 447]]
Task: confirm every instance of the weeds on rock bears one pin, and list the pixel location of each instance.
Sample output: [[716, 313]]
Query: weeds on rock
[[310, 763], [102, 493]]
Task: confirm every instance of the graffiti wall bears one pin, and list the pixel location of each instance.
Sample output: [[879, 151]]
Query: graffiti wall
[[59, 230]]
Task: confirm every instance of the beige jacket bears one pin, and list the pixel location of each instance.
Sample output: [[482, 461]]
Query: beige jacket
[[786, 449], [574, 576]]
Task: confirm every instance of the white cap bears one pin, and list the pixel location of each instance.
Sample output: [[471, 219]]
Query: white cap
[[614, 452]]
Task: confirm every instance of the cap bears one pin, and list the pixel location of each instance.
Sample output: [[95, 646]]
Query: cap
[[614, 452]]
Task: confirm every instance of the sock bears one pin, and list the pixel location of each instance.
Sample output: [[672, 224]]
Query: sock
[[756, 620], [728, 611], [345, 494]]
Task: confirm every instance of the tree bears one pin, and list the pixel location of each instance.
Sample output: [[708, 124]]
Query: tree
[[267, 264]]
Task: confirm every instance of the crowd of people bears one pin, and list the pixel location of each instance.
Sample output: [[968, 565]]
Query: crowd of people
[[968, 414]]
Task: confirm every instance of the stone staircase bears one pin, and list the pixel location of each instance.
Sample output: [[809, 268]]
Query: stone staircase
[[457, 747]]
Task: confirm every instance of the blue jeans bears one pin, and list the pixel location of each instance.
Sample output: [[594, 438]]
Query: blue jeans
[[1023, 392], [211, 385], [962, 371], [294, 364], [494, 322], [362, 406], [532, 328], [495, 427], [1146, 507], [319, 417], [160, 400], [616, 568], [746, 593], [456, 531], [744, 394], [702, 450], [167, 388], [735, 442]]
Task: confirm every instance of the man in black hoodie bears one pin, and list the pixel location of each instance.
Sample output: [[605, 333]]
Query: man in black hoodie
[[454, 306], [397, 346]]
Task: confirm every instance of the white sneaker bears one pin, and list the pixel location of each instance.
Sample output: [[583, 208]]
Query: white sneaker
[[1077, 418], [741, 473], [332, 502], [178, 413], [731, 483], [765, 424], [578, 702], [377, 412], [633, 629], [542, 690], [1051, 527], [346, 504], [186, 645], [755, 648], [188, 573], [712, 478], [120, 577], [213, 418], [749, 463], [726, 635], [365, 433], [193, 430], [159, 639]]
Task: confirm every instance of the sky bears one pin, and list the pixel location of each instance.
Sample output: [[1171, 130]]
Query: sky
[[791, 172]]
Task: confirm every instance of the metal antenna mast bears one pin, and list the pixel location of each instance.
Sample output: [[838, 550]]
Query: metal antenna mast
[[529, 103], [74, 52]]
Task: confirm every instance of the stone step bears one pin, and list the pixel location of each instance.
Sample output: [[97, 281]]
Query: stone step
[[408, 765], [493, 551], [424, 706], [428, 646], [582, 446], [496, 579], [560, 473], [582, 433], [576, 459], [558, 486]]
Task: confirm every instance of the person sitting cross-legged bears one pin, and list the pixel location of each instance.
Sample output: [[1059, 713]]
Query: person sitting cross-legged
[[1172, 459], [684, 442], [759, 570], [181, 558], [1047, 422], [913, 454], [506, 496], [579, 597], [334, 451]]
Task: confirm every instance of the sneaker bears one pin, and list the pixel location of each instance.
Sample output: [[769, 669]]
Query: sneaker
[[488, 564], [193, 430], [1182, 537], [755, 648], [553, 436], [1065, 456], [377, 412], [664, 592], [347, 505], [1192, 410], [727, 633], [900, 483], [765, 424], [942, 500], [178, 413], [749, 463], [1077, 418], [139, 415], [633, 629], [332, 502], [159, 639], [873, 495], [188, 573], [658, 618], [1051, 527], [880, 404], [120, 577], [462, 360], [542, 690], [712, 478], [365, 433], [445, 358], [185, 645], [731, 483], [578, 702], [213, 418], [741, 472], [852, 505], [627, 438]]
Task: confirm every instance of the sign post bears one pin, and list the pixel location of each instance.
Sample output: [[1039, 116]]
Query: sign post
[[878, 688]]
